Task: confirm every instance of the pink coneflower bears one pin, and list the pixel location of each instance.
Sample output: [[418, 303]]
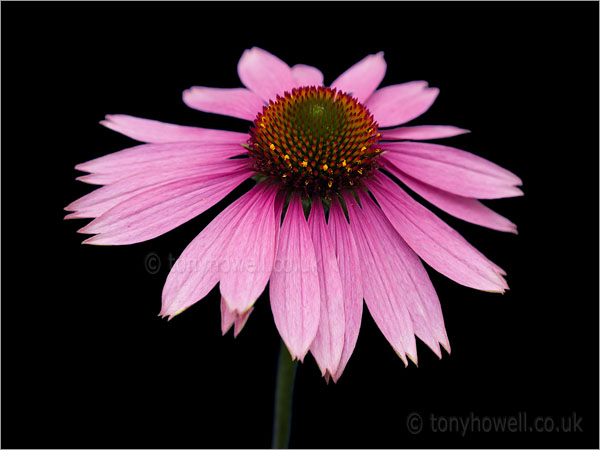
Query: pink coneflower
[[326, 225]]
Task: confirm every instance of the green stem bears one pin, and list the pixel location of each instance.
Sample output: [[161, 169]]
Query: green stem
[[282, 420]]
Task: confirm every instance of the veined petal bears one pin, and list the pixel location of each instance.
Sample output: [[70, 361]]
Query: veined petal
[[307, 75], [381, 288], [349, 267], [329, 341], [400, 103], [415, 287], [421, 132], [238, 102], [160, 209], [265, 74], [155, 132], [198, 270], [362, 78], [467, 209], [453, 170], [102, 199], [435, 242], [249, 262], [161, 156], [294, 286]]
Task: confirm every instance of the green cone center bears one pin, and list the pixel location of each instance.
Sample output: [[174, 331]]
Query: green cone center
[[315, 139]]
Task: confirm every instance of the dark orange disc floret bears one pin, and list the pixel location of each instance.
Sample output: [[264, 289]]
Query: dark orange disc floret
[[315, 139]]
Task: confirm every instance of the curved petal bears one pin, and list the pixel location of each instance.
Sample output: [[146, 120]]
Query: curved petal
[[400, 103], [349, 267], [160, 209], [435, 242], [453, 170], [329, 341], [382, 291], [102, 199], [238, 102], [307, 75], [418, 293], [265, 74], [155, 132], [362, 78], [294, 286], [147, 157], [467, 209], [421, 132], [249, 262], [197, 270]]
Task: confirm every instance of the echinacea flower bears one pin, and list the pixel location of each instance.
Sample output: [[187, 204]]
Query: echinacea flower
[[326, 224]]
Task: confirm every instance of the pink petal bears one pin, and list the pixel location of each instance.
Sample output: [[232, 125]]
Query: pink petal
[[101, 200], [414, 284], [156, 132], [349, 267], [329, 341], [381, 286], [249, 262], [307, 75], [435, 242], [400, 103], [198, 269], [240, 322], [110, 168], [265, 74], [227, 317], [453, 170], [468, 209], [421, 132], [294, 287], [160, 209], [238, 102], [362, 78]]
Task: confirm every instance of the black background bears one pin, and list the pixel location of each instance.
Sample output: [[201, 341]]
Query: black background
[[87, 362]]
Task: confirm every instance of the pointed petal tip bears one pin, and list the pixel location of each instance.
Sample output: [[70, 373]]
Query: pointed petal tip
[[94, 240], [446, 346], [414, 359], [72, 215], [402, 357], [81, 168], [171, 316], [82, 178], [436, 349], [241, 321], [85, 230]]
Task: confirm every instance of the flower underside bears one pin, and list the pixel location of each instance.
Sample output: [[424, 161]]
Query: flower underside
[[315, 139]]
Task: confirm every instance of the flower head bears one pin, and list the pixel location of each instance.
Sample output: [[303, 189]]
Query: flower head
[[326, 224]]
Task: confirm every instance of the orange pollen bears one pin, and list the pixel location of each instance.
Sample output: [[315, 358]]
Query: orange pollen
[[316, 139]]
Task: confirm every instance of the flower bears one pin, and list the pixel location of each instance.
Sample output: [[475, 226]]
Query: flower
[[311, 149]]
